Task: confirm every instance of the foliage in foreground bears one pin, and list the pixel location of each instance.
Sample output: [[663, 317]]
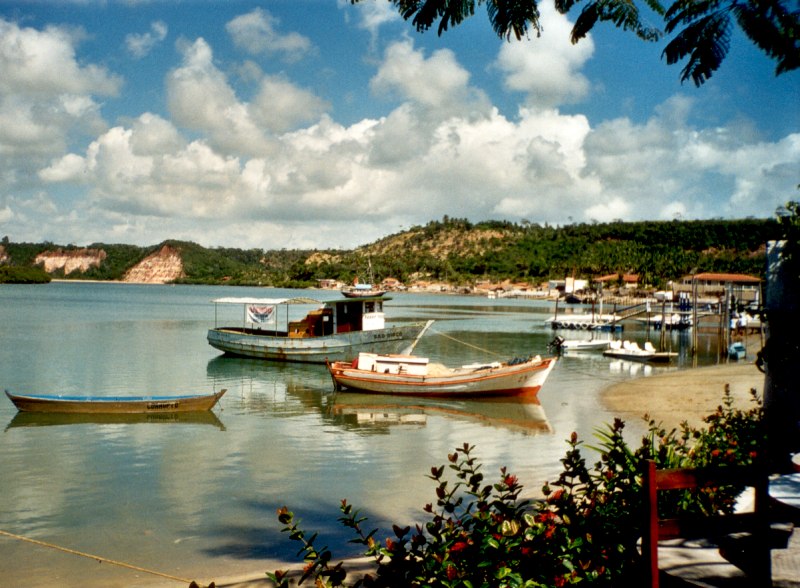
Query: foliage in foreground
[[480, 534]]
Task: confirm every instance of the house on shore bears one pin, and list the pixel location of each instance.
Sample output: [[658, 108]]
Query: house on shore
[[745, 289]]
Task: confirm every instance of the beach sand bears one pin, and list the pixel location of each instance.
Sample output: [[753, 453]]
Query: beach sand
[[685, 395]]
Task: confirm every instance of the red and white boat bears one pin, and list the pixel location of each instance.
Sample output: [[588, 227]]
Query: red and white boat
[[411, 375]]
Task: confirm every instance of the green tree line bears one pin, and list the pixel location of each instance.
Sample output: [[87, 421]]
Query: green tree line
[[462, 253]]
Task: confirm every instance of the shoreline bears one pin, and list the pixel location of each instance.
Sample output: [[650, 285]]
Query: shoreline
[[684, 395]]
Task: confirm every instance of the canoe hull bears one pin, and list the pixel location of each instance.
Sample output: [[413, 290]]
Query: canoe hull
[[336, 347], [113, 404], [507, 380]]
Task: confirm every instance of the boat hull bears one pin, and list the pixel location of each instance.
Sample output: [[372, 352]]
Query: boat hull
[[113, 404], [507, 380], [336, 347], [654, 357]]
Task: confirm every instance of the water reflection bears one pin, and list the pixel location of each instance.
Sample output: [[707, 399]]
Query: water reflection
[[375, 412], [40, 419]]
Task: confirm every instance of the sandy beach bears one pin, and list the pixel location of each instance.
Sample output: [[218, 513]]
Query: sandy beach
[[686, 394]]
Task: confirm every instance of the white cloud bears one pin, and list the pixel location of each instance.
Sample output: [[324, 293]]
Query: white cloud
[[278, 169], [29, 57], [372, 15], [256, 32], [439, 81], [201, 99], [47, 99], [547, 68], [68, 168], [280, 105], [140, 45]]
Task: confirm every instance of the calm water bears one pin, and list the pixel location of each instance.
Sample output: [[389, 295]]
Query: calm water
[[196, 498]]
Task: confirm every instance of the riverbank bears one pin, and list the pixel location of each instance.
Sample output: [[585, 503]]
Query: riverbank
[[687, 394]]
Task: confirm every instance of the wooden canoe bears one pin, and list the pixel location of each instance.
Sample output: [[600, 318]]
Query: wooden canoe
[[58, 403]]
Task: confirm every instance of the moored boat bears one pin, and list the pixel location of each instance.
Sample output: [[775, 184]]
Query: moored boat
[[416, 376], [62, 403], [631, 350], [560, 344], [335, 330], [362, 291]]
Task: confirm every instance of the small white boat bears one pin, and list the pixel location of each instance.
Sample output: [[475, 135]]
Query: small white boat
[[362, 291], [737, 350], [631, 350], [416, 376], [566, 345]]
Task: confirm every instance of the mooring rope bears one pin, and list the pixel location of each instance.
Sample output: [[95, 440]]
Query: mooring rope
[[97, 557], [467, 344]]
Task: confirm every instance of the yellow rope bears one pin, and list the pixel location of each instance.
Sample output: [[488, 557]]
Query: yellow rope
[[467, 344], [96, 557]]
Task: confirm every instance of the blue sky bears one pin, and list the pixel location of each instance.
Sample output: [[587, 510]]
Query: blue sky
[[318, 124]]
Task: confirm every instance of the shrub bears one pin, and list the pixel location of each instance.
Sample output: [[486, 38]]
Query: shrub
[[584, 531]]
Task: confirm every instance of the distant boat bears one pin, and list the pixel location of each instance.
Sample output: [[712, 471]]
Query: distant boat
[[562, 344], [358, 290], [362, 291], [415, 376], [631, 350], [58, 403], [737, 350], [336, 330]]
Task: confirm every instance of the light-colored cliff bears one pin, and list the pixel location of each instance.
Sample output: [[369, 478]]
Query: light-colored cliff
[[161, 267], [70, 261]]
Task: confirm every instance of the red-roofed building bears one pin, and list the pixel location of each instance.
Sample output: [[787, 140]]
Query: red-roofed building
[[745, 288]]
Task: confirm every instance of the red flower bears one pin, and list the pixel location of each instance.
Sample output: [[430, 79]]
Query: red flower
[[459, 546]]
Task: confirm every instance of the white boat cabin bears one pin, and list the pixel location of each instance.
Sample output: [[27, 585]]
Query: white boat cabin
[[330, 317], [393, 364]]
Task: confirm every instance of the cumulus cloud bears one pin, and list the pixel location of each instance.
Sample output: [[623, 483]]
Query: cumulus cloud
[[201, 99], [547, 69], [372, 15], [256, 32], [140, 45], [42, 111], [28, 58], [280, 105], [275, 167], [436, 83]]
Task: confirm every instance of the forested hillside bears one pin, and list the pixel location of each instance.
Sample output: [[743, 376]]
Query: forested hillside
[[461, 253]]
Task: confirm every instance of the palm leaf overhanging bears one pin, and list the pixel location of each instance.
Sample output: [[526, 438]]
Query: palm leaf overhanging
[[702, 28]]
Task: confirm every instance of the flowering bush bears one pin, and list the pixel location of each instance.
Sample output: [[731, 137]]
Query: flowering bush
[[585, 531]]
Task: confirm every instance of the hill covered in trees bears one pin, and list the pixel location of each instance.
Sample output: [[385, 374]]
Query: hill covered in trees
[[457, 252]]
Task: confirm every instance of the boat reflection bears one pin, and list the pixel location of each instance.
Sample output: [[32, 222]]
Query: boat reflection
[[48, 419], [523, 414]]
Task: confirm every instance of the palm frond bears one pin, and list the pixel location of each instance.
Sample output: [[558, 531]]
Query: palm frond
[[706, 42], [773, 29], [514, 17], [623, 13]]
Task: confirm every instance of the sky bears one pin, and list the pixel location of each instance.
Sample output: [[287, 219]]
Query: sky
[[316, 124]]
